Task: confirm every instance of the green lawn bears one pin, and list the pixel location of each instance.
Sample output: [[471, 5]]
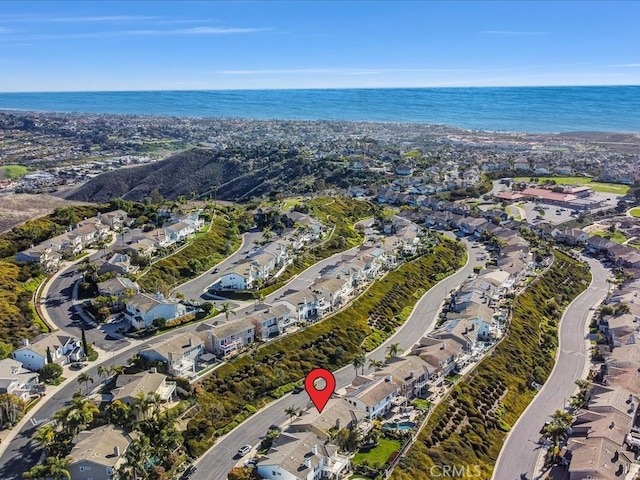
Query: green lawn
[[615, 188], [635, 212], [12, 171], [617, 236], [379, 454]]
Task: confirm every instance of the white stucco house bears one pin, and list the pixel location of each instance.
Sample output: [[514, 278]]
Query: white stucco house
[[143, 309], [63, 349]]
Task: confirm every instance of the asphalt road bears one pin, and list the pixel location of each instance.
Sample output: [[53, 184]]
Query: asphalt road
[[520, 452], [219, 459], [194, 289]]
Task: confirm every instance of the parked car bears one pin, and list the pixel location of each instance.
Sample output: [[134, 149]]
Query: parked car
[[188, 472], [77, 366], [243, 450], [298, 389]]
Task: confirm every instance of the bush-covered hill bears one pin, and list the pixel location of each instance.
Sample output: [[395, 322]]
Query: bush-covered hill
[[234, 173]]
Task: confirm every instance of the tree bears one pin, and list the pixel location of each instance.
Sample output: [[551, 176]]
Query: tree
[[103, 371], [347, 439], [45, 436], [49, 357], [85, 378], [393, 349], [5, 350], [11, 408], [206, 307], [137, 459], [227, 310], [85, 346], [241, 473], [50, 372], [359, 361], [53, 468], [292, 412], [116, 369], [377, 364]]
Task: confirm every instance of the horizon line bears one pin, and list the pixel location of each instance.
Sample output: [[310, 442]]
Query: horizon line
[[317, 88]]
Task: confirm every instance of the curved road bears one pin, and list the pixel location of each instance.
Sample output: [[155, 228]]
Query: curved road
[[218, 460], [520, 453]]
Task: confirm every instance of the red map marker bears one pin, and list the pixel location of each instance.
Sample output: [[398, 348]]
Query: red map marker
[[320, 396]]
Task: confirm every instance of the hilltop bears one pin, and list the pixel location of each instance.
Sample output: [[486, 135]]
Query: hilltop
[[233, 174]]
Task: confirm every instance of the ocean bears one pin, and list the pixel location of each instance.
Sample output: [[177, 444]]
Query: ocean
[[511, 109]]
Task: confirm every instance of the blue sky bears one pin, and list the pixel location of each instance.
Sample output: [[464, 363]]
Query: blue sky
[[118, 45]]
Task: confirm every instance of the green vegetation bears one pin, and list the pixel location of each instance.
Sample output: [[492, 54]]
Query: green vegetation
[[255, 380], [201, 254], [12, 171], [470, 425], [616, 236], [602, 187], [635, 212], [378, 455]]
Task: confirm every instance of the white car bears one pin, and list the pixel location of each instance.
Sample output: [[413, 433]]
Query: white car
[[243, 450]]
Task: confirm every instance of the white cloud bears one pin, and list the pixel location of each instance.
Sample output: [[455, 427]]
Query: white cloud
[[336, 71], [196, 31], [627, 65], [75, 19], [513, 32]]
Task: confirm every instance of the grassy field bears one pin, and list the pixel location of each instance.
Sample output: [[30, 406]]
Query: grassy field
[[635, 212], [379, 454], [12, 171], [617, 236], [614, 188]]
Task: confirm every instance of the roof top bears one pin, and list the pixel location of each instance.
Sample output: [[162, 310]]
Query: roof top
[[98, 445], [132, 385]]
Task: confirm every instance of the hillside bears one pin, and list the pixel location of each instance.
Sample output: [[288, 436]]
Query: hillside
[[236, 173]]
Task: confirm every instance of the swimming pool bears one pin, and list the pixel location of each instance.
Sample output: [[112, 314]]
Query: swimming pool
[[399, 426]]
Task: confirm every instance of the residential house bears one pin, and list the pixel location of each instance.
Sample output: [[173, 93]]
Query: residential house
[[115, 219], [334, 290], [179, 232], [302, 456], [229, 337], [411, 374], [15, 379], [240, 277], [118, 263], [597, 458], [62, 348], [443, 355], [43, 254], [272, 320], [374, 396], [179, 352], [97, 454], [118, 287], [336, 415], [457, 330], [142, 309], [129, 387], [303, 303]]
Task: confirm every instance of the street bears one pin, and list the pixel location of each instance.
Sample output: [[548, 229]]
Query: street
[[218, 460], [520, 453]]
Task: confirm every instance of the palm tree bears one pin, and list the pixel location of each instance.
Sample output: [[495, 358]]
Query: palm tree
[[393, 349], [359, 361], [53, 468], [292, 412], [141, 405], [104, 371], [45, 436], [377, 364], [116, 369], [85, 378], [227, 310], [137, 458]]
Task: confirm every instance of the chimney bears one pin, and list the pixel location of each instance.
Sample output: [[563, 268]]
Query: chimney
[[25, 342], [412, 373], [307, 462], [314, 449], [153, 370], [191, 341], [116, 451]]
